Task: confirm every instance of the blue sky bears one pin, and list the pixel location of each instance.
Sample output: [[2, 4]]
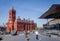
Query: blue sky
[[26, 9]]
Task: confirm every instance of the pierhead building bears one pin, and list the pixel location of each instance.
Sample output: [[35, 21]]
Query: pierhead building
[[18, 24]]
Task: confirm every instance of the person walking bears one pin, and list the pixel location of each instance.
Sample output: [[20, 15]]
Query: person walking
[[36, 32], [27, 38]]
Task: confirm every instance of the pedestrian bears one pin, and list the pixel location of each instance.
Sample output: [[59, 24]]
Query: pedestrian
[[25, 34], [33, 31], [27, 37], [36, 32]]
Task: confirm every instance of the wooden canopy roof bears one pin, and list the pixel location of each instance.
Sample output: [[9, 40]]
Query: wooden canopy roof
[[53, 12]]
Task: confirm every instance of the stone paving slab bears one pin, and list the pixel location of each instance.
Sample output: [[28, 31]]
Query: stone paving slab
[[32, 37]]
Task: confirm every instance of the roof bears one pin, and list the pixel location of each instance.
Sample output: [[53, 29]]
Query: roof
[[12, 10], [53, 12]]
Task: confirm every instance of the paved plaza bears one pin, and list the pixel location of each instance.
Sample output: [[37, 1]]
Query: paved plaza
[[32, 37]]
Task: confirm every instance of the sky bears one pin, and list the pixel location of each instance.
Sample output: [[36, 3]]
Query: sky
[[26, 9]]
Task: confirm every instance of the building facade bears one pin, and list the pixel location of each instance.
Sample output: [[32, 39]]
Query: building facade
[[54, 23], [18, 24]]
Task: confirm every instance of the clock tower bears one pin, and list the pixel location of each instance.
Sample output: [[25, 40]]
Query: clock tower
[[12, 17]]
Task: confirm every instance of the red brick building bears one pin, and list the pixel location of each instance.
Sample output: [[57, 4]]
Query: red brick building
[[18, 24]]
